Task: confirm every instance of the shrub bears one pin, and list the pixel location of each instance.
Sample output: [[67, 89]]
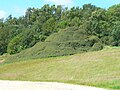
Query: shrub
[[97, 46]]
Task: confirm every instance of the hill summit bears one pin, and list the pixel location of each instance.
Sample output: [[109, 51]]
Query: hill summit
[[66, 42]]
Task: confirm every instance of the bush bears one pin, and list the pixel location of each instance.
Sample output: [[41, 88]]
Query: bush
[[97, 46]]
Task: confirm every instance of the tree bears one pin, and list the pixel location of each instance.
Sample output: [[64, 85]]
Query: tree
[[17, 34], [116, 33], [3, 41], [49, 26], [113, 13]]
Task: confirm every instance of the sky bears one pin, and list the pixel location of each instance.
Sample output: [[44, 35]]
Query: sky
[[18, 7]]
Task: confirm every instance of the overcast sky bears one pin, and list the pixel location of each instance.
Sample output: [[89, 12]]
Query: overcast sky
[[17, 7]]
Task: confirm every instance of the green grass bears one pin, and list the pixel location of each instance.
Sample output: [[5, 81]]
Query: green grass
[[66, 42], [98, 68]]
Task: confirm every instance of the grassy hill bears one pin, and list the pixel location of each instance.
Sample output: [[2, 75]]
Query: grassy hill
[[98, 68], [66, 42]]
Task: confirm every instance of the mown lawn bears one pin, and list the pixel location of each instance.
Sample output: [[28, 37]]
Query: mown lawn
[[100, 69]]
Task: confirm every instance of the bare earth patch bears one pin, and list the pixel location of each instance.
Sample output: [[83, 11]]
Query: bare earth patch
[[1, 61], [26, 85]]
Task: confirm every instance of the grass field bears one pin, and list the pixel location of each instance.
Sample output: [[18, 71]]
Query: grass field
[[100, 69]]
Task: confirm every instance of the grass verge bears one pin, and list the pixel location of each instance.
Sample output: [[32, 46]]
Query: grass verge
[[100, 69]]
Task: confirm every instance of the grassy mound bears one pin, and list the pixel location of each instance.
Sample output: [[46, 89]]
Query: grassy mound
[[66, 42], [99, 68]]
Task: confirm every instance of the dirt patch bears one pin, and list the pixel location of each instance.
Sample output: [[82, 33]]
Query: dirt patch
[[11, 75], [1, 61]]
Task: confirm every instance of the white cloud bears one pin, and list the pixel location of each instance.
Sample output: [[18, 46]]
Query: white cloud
[[2, 14], [60, 2], [19, 10]]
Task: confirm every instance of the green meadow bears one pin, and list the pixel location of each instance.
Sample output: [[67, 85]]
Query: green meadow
[[96, 68]]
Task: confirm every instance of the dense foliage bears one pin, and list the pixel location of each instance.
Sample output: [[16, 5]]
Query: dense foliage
[[61, 30]]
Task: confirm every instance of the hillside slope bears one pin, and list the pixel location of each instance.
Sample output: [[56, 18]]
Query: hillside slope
[[66, 42], [99, 68]]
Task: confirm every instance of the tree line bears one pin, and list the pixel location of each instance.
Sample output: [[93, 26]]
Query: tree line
[[17, 34]]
